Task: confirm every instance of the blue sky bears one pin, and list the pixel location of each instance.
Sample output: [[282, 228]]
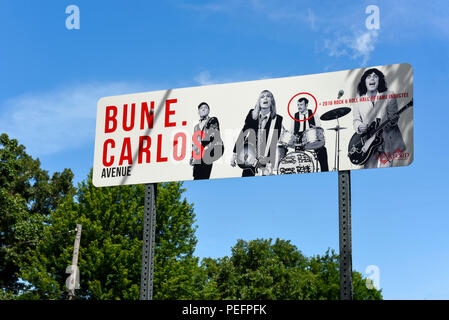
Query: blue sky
[[52, 78]]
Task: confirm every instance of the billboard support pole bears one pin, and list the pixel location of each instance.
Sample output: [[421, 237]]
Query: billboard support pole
[[148, 243], [345, 234]]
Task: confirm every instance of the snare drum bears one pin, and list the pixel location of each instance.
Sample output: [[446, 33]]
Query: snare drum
[[299, 162], [313, 138], [286, 139]]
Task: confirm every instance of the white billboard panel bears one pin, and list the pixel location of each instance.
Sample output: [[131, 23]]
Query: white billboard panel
[[345, 120]]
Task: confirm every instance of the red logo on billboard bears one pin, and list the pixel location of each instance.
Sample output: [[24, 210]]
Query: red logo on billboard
[[399, 154]]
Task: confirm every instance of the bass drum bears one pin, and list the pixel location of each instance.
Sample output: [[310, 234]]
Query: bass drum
[[299, 162]]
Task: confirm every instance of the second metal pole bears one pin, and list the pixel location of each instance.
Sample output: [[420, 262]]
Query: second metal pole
[[148, 245], [345, 234]]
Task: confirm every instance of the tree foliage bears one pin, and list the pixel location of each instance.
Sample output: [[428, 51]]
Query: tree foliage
[[111, 245], [261, 269], [27, 196]]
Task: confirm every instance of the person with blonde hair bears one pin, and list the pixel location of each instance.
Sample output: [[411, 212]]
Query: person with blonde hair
[[256, 148]]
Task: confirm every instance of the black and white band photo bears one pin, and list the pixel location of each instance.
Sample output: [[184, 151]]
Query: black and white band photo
[[270, 144], [342, 120]]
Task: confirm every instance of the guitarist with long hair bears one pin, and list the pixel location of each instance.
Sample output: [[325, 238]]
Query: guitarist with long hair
[[256, 148], [371, 111]]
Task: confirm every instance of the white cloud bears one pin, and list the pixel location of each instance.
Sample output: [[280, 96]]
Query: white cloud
[[360, 45], [334, 47], [204, 79], [363, 45], [57, 120]]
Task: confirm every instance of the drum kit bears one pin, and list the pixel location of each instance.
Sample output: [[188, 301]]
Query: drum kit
[[304, 159]]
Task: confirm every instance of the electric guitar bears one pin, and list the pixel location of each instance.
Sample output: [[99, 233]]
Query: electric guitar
[[247, 159], [361, 146]]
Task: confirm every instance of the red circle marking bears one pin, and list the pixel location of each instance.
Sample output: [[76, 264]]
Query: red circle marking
[[288, 107]]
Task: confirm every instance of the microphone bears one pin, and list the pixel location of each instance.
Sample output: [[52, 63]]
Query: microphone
[[340, 94]]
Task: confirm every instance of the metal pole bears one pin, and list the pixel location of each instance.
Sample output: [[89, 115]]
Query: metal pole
[[74, 268], [345, 234], [336, 150], [338, 144], [149, 234]]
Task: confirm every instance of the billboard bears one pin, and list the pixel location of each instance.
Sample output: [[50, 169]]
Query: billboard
[[345, 120]]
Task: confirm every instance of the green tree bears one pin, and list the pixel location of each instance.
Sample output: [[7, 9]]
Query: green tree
[[260, 269], [27, 196], [111, 245], [326, 269]]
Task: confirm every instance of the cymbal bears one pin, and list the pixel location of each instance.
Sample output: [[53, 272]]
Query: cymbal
[[337, 128], [335, 113]]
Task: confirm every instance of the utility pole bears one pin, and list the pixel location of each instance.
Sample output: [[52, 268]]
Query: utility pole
[[72, 282]]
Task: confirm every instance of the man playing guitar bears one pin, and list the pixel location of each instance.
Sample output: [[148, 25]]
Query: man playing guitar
[[256, 148], [208, 146], [371, 110]]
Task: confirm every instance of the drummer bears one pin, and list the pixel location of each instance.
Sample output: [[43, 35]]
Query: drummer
[[299, 127]]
